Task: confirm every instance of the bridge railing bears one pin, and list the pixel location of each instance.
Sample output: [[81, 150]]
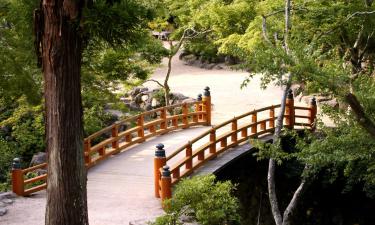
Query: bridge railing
[[195, 153], [121, 135]]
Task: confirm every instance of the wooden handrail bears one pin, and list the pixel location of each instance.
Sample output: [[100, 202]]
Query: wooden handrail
[[114, 144], [194, 158]]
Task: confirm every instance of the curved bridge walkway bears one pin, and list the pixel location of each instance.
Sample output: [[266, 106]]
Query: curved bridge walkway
[[123, 188]]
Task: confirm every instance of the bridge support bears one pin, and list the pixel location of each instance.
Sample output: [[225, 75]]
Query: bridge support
[[17, 177], [159, 161]]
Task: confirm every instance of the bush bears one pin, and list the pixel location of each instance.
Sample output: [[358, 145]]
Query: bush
[[203, 199]]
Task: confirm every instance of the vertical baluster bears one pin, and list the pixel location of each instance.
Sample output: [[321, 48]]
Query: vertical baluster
[[176, 173], [254, 121], [272, 117], [244, 132], [185, 112], [213, 141], [87, 149], [312, 113], [140, 123], [223, 143], [189, 153], [115, 143], [163, 115], [234, 130]]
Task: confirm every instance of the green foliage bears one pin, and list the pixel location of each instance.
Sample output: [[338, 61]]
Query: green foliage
[[95, 119], [207, 201]]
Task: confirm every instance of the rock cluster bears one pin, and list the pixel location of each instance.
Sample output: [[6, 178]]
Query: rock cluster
[[320, 99], [144, 99], [39, 158], [6, 198], [193, 60]]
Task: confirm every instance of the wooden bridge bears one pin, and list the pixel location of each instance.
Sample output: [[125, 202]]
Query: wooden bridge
[[169, 167]]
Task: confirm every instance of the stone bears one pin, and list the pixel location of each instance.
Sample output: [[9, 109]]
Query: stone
[[3, 211], [7, 201], [8, 194], [210, 66], [38, 158], [218, 67], [148, 106], [155, 103], [145, 98], [188, 100], [2, 204], [138, 98], [179, 96], [332, 103], [134, 106]]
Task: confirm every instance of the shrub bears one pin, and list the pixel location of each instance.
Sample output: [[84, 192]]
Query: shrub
[[203, 199]]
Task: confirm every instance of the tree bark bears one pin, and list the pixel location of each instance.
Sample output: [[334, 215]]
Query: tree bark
[[362, 118], [61, 61]]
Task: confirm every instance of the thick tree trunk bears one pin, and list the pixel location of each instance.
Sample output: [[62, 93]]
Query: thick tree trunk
[[61, 60]]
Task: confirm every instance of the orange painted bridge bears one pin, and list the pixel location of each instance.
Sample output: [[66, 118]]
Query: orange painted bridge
[[130, 171]]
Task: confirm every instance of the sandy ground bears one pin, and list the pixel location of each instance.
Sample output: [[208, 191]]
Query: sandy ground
[[228, 98], [121, 191]]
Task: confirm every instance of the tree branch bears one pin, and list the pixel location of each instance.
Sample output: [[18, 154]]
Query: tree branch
[[152, 80], [362, 118], [346, 20]]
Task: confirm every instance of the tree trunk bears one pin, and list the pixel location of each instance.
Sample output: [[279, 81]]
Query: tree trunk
[[61, 60]]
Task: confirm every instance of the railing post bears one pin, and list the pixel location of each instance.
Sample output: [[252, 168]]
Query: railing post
[[140, 123], [213, 141], [163, 116], [159, 161], [289, 110], [87, 148], [255, 125], [185, 112], [207, 105], [17, 177], [234, 129], [199, 107], [272, 117], [312, 113], [166, 184], [115, 144], [189, 154]]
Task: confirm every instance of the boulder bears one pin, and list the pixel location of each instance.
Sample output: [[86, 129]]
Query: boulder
[[155, 103], [3, 211], [179, 96], [138, 98], [7, 201], [38, 158], [145, 97], [332, 103], [9, 195]]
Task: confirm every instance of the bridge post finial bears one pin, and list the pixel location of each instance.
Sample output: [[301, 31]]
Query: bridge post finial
[[166, 184], [312, 113], [17, 177], [159, 161], [207, 105]]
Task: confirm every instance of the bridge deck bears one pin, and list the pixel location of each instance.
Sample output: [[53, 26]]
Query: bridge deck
[[120, 189]]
